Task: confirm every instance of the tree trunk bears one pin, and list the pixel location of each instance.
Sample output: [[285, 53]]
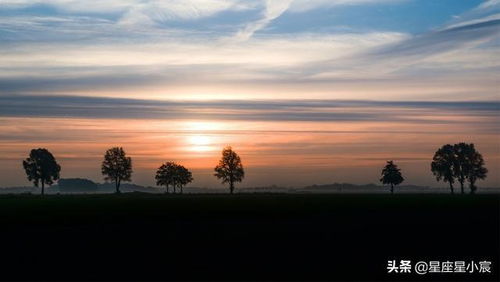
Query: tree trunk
[[462, 186], [392, 188], [231, 187], [174, 189], [167, 188], [451, 188], [43, 188], [182, 189], [117, 186], [473, 188]]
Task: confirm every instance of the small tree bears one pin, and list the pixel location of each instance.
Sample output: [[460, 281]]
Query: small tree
[[229, 169], [476, 169], [443, 164], [116, 166], [173, 174], [41, 168], [391, 174]]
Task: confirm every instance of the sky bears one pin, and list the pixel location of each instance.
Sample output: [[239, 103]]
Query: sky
[[306, 92]]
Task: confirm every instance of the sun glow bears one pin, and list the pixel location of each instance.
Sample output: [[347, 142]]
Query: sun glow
[[202, 135], [197, 126], [200, 143]]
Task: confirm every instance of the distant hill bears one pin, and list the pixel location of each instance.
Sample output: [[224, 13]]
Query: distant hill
[[78, 186]]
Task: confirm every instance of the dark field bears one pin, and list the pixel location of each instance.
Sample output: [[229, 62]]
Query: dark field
[[243, 237]]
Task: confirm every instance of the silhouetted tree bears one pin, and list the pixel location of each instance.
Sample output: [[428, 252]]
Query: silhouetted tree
[[116, 166], [476, 169], [229, 169], [164, 175], [462, 166], [41, 168], [443, 164], [461, 162], [183, 177], [173, 174], [391, 174]]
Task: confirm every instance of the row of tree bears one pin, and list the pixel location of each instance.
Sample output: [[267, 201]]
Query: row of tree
[[459, 162], [42, 169]]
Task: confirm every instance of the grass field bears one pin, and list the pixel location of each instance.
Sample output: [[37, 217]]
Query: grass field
[[243, 237]]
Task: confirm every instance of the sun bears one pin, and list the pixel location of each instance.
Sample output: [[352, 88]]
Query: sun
[[200, 143], [199, 140], [201, 135]]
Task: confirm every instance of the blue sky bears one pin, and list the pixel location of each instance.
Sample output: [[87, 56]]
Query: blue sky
[[403, 16], [352, 70]]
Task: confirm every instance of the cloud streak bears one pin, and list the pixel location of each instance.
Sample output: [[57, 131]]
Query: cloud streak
[[270, 110]]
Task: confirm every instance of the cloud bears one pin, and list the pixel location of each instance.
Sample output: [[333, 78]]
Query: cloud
[[176, 8], [182, 50], [174, 62], [270, 110], [453, 50], [274, 9], [442, 41], [298, 6], [162, 11]]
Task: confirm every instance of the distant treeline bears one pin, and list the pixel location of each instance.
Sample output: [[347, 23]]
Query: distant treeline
[[460, 163]]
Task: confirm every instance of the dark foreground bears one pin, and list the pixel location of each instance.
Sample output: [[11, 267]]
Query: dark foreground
[[244, 237]]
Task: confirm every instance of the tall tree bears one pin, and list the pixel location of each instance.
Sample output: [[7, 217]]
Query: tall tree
[[116, 166], [172, 174], [42, 168], [391, 174], [476, 168], [462, 166], [230, 168], [443, 164]]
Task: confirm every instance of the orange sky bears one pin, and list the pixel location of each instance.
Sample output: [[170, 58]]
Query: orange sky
[[289, 153]]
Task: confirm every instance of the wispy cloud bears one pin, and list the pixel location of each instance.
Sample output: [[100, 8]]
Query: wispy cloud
[[274, 9]]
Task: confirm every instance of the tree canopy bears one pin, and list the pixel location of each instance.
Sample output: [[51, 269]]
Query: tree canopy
[[41, 167], [116, 167], [230, 168]]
